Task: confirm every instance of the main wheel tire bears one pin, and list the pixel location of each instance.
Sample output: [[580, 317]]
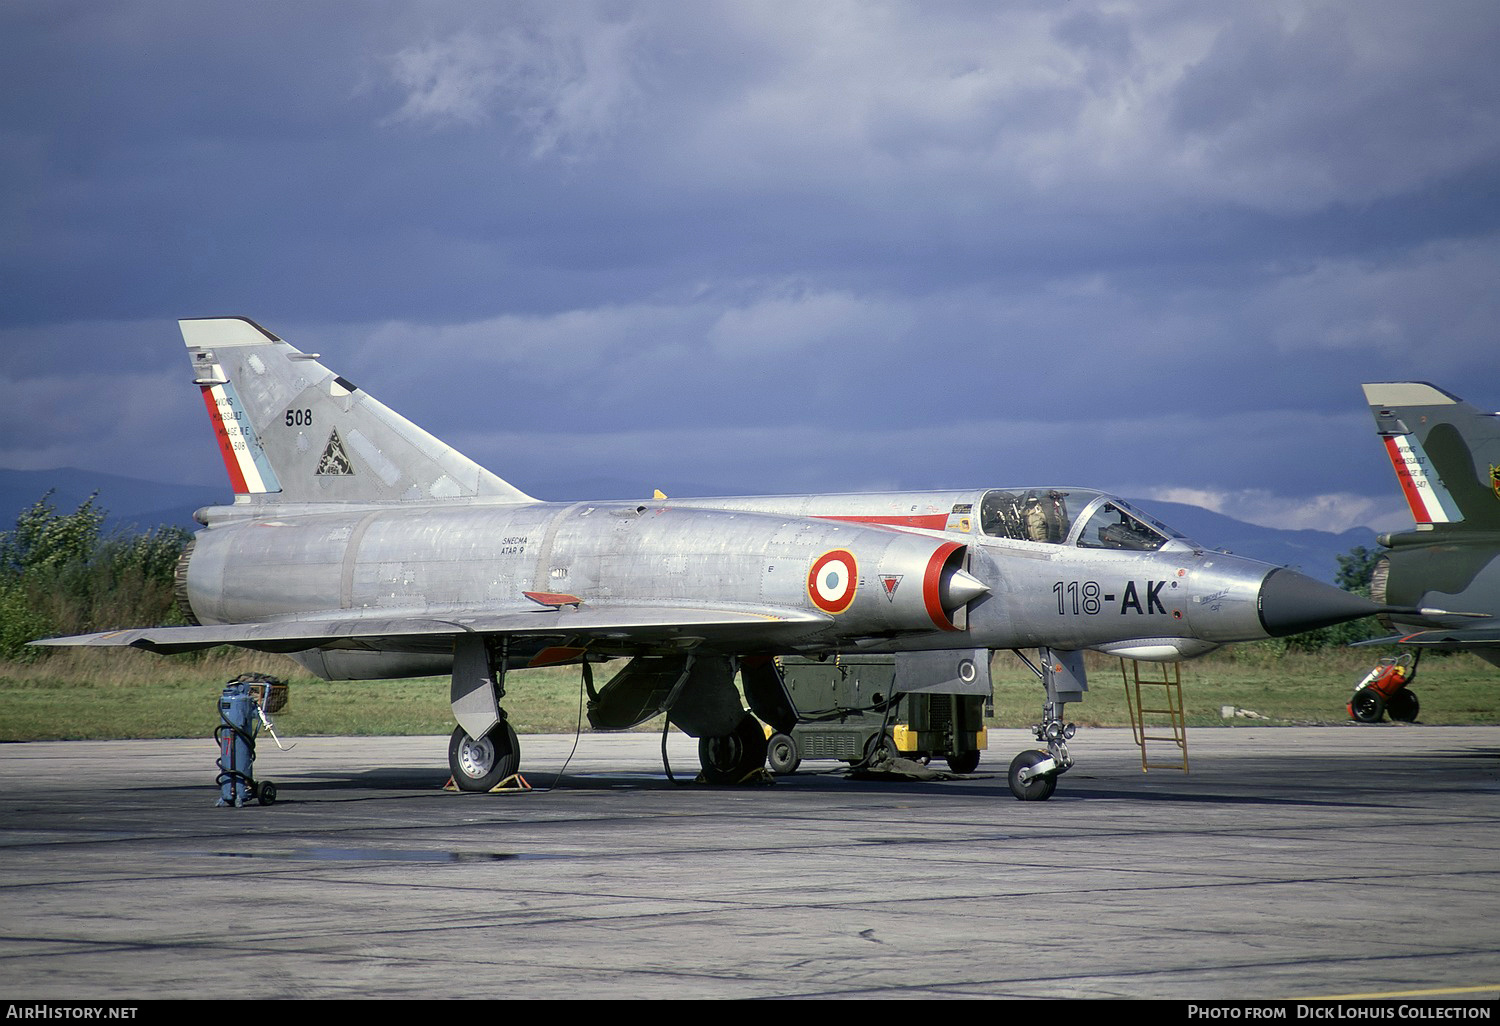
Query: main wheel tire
[[1403, 706], [1037, 789], [480, 765], [963, 762], [782, 755], [730, 758], [1367, 706]]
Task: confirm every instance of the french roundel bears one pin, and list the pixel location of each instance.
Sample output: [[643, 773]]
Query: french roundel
[[832, 581]]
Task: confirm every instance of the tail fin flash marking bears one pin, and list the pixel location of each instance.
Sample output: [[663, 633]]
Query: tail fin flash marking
[[1429, 500], [250, 471]]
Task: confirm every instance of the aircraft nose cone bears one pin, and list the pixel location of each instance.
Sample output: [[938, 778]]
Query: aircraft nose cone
[[1291, 603]]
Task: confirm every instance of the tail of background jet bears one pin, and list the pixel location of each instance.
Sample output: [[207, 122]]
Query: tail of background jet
[[1446, 453], [290, 430]]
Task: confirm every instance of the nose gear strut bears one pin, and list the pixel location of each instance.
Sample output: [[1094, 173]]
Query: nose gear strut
[[1033, 773]]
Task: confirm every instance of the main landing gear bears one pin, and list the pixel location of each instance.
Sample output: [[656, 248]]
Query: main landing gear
[[696, 692], [731, 758], [1033, 773], [484, 764], [483, 752]]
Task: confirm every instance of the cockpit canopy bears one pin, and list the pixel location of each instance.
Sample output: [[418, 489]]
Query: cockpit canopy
[[1087, 519]]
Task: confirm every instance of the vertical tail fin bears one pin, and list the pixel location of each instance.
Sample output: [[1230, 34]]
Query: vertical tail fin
[[290, 430], [1446, 453]]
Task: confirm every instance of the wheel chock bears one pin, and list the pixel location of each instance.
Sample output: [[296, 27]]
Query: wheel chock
[[514, 782], [758, 777]]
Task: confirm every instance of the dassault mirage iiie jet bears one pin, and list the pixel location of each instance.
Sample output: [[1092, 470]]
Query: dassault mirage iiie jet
[[367, 549], [1443, 576]]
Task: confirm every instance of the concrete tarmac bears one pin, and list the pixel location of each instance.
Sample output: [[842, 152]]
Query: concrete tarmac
[[1290, 863]]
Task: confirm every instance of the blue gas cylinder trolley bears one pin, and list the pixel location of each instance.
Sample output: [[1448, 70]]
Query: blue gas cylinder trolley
[[242, 712]]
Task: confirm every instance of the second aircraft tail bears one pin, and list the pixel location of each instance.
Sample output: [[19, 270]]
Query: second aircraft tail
[[1446, 453]]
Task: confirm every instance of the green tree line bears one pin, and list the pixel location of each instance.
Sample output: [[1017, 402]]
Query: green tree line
[[59, 574]]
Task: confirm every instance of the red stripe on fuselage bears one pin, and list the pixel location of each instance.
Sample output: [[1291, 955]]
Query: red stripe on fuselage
[[926, 521], [226, 448]]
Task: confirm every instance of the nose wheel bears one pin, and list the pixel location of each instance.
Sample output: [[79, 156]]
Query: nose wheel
[[1030, 780], [1033, 774]]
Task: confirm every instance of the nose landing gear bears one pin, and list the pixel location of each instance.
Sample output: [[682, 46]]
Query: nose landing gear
[[1033, 774]]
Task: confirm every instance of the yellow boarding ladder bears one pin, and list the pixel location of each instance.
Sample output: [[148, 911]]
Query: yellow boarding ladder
[[1161, 701]]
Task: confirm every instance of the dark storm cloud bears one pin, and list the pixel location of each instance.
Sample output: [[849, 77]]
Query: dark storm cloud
[[767, 246]]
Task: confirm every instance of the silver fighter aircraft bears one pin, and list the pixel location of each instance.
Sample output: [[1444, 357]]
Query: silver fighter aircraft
[[1440, 580], [368, 549]]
